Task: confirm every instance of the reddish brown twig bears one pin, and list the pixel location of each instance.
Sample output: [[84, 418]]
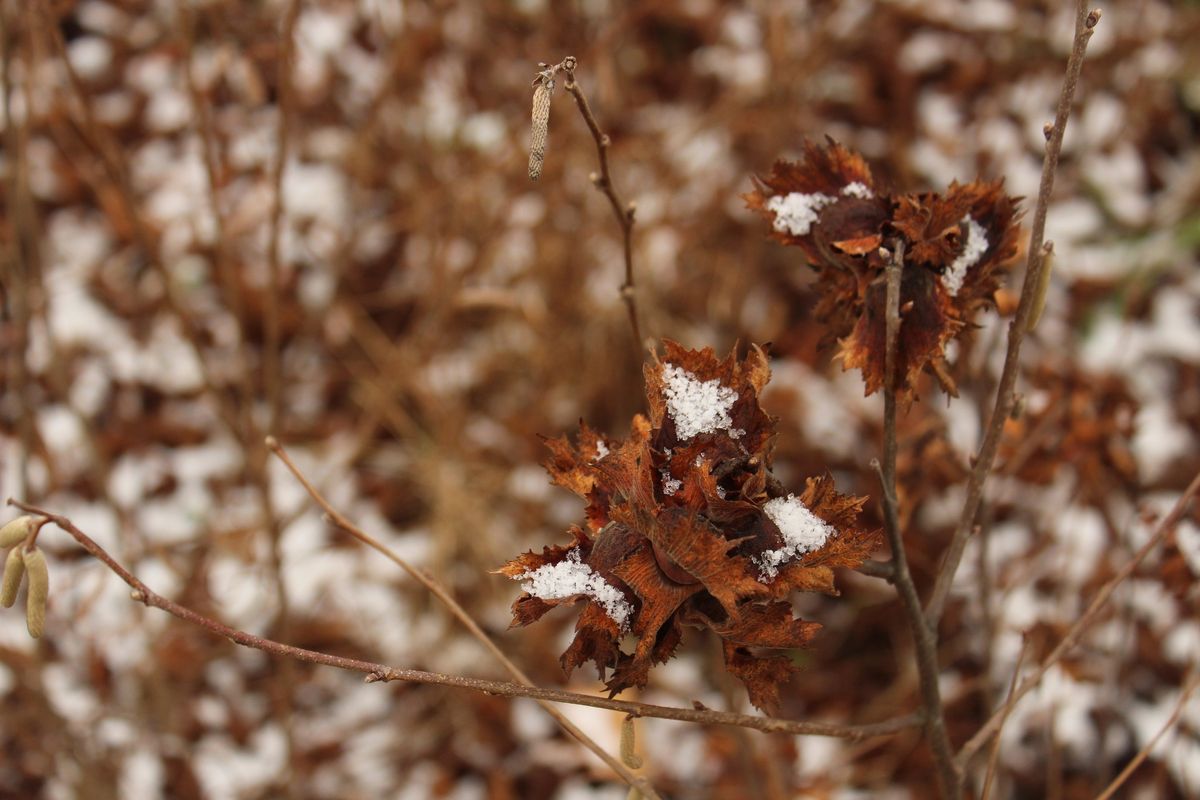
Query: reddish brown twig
[[1081, 625], [924, 639], [624, 212]]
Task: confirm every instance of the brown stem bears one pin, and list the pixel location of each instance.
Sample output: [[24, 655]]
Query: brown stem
[[1189, 686], [1084, 25], [382, 672], [624, 212], [924, 640], [1081, 625]]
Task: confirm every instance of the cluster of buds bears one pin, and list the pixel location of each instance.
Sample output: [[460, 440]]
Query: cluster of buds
[[687, 526], [25, 559], [956, 247]]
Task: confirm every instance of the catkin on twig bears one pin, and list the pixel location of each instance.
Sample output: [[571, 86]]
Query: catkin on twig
[[541, 126], [14, 570], [17, 530], [1043, 286], [39, 589], [629, 754]]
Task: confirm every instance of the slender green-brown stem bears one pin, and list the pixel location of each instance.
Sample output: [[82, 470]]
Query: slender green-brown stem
[[1189, 686], [1085, 23]]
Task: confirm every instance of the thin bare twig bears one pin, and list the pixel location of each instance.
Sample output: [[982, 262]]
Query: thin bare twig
[[1085, 24], [624, 212], [994, 755], [1189, 686], [924, 640], [1081, 625], [459, 613]]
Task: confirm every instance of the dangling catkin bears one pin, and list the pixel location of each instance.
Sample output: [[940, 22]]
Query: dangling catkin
[[14, 570], [1043, 286], [17, 530], [541, 127], [39, 589], [629, 755]]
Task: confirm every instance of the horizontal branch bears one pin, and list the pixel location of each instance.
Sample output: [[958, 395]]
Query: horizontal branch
[[381, 672]]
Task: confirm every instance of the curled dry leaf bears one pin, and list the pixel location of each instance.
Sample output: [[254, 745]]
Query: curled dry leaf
[[686, 526], [957, 246]]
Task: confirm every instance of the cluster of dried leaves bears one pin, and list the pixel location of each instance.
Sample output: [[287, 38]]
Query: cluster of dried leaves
[[949, 274], [677, 524]]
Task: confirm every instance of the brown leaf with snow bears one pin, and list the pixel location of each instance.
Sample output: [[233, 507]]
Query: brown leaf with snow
[[677, 522]]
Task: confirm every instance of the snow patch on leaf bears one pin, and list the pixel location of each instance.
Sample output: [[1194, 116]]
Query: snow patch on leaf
[[973, 250], [572, 577], [696, 406], [803, 531], [795, 213]]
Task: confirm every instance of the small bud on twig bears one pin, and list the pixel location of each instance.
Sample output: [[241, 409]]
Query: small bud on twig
[[1048, 130], [17, 530], [1093, 17], [14, 571], [39, 590]]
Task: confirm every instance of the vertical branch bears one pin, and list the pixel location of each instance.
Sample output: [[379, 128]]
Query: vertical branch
[[20, 266], [1085, 24], [272, 358], [924, 640]]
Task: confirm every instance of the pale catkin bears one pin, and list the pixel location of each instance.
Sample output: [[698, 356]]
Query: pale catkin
[[540, 128], [629, 745], [14, 570], [39, 590], [1043, 286], [17, 530]]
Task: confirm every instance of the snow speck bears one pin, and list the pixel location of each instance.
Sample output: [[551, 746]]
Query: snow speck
[[973, 250], [697, 406], [857, 189], [795, 213], [670, 484], [601, 450], [803, 531], [572, 577]]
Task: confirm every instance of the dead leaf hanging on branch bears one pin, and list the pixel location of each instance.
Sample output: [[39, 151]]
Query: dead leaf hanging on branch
[[686, 526]]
